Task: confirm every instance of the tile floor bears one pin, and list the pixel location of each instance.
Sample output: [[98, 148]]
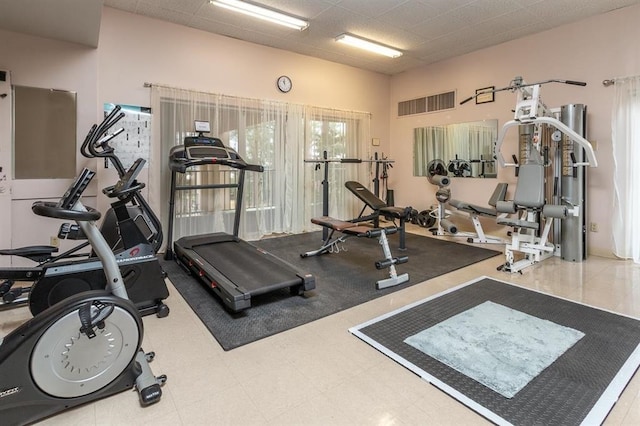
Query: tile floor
[[319, 374]]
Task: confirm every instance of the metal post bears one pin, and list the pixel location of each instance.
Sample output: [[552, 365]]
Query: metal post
[[573, 234], [325, 194]]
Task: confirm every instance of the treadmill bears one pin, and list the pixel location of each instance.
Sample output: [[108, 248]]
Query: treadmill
[[232, 268]]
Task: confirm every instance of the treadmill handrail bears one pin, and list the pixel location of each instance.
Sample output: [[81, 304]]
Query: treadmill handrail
[[181, 165]]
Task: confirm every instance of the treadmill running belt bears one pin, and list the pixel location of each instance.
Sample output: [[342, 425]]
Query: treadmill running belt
[[246, 266]]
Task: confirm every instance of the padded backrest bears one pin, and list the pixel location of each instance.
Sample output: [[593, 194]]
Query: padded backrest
[[530, 188], [499, 194], [365, 195]]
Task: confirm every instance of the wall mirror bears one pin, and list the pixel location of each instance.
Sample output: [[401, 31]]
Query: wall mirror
[[461, 149]]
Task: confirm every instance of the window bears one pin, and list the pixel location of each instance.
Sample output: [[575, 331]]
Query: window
[[276, 135]]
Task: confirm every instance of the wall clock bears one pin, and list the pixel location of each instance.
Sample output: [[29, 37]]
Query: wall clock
[[284, 84]]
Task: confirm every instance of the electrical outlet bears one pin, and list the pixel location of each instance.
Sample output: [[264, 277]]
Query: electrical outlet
[[593, 227], [54, 241]]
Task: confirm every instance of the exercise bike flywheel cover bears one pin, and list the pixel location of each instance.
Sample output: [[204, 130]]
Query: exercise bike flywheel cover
[[65, 363]]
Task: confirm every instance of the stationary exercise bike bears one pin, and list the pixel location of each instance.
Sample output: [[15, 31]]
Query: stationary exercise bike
[[85, 347], [56, 278]]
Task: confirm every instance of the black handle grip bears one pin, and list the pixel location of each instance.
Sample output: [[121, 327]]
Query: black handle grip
[[466, 100], [573, 163], [515, 160], [52, 209], [350, 160], [373, 233], [100, 141], [255, 168], [390, 230], [575, 83], [121, 191], [384, 263]]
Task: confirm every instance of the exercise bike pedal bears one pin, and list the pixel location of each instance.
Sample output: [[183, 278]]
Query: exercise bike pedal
[[150, 356]]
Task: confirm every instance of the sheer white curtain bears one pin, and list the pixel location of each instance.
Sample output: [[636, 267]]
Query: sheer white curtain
[[341, 134], [276, 135], [429, 144], [481, 142], [625, 137]]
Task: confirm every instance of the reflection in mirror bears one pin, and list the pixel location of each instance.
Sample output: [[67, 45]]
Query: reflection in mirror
[[462, 149]]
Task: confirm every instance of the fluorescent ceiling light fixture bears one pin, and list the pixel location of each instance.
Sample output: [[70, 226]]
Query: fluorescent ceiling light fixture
[[262, 13], [368, 45]]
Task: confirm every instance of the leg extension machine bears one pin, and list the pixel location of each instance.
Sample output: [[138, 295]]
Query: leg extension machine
[[475, 212], [529, 236]]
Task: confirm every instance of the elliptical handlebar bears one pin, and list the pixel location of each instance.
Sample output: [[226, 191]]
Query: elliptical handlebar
[[127, 186], [103, 144], [54, 210], [97, 140], [68, 207]]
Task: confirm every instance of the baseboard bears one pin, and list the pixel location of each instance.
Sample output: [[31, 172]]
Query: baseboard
[[602, 253]]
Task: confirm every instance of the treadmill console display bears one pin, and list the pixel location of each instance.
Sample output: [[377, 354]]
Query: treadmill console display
[[202, 150], [203, 147], [201, 140]]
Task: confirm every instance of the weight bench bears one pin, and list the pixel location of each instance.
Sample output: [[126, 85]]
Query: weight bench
[[350, 229], [475, 212], [379, 208]]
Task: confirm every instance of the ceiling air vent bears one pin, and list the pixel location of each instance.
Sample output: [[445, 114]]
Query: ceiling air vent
[[433, 103]]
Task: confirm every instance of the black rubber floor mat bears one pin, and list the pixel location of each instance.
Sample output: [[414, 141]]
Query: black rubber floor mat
[[580, 386], [343, 280]]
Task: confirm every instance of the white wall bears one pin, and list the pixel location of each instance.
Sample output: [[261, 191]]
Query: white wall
[[592, 50], [40, 62], [134, 50]]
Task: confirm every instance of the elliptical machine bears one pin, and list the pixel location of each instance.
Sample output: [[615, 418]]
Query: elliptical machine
[[56, 278], [138, 210], [83, 348]]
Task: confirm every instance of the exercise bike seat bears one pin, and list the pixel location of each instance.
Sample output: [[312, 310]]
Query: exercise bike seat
[[36, 253]]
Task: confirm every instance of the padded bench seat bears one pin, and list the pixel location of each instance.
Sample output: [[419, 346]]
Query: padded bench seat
[[341, 225], [353, 229], [379, 208], [472, 208]]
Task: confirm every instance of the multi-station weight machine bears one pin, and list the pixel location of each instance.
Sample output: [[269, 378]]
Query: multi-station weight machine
[[550, 197]]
